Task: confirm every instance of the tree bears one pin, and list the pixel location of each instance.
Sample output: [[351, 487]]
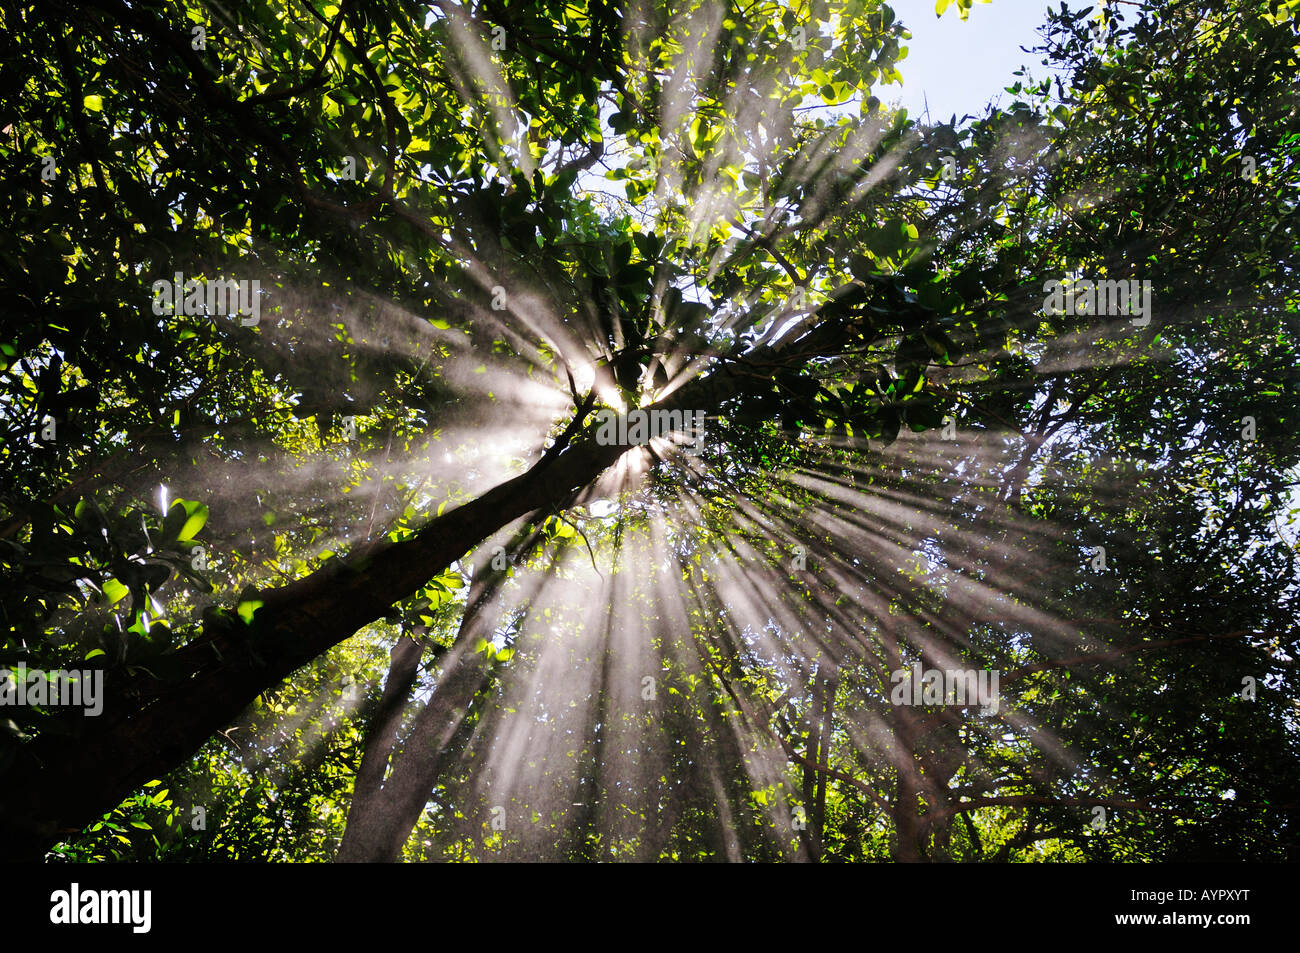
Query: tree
[[404, 412]]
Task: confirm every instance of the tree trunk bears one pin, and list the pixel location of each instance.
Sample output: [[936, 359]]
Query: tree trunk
[[373, 817], [830, 687], [147, 728]]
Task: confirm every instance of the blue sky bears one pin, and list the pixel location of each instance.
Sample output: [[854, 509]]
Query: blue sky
[[959, 65]]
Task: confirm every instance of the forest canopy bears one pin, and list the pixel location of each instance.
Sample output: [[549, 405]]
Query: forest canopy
[[511, 430]]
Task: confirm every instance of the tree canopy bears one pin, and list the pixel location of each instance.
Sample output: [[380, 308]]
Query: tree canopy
[[319, 318]]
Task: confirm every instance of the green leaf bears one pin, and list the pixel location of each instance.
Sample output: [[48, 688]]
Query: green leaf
[[197, 517], [450, 580], [115, 591], [247, 608]]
